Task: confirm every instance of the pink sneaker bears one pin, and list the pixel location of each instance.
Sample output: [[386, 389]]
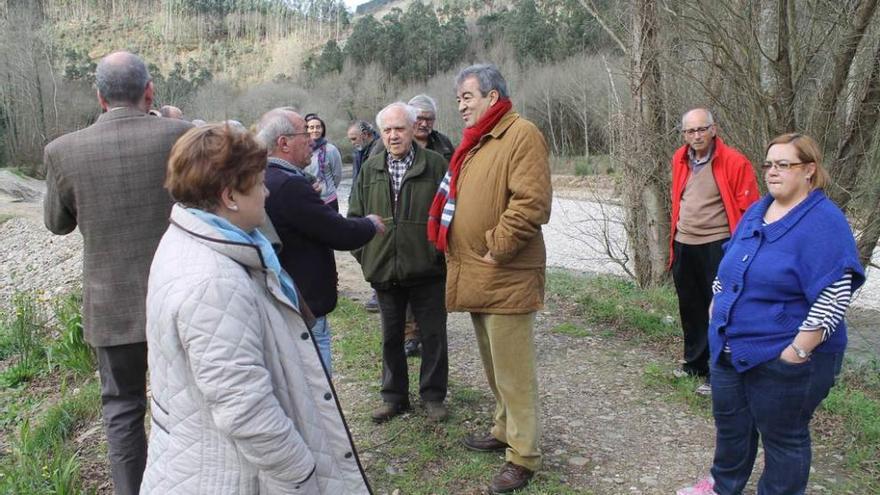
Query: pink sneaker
[[703, 487]]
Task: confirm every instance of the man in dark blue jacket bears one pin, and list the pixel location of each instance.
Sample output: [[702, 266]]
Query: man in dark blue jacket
[[309, 230]]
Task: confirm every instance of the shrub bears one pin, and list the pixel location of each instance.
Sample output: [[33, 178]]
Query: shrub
[[23, 340], [71, 350]]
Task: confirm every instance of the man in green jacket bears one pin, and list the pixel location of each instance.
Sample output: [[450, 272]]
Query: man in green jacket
[[404, 268]]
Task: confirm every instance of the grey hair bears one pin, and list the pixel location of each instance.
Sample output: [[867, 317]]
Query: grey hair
[[272, 124], [424, 103], [362, 127], [412, 114], [488, 76], [122, 78], [710, 119]]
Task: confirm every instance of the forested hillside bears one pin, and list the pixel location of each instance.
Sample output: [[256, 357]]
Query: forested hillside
[[235, 59]]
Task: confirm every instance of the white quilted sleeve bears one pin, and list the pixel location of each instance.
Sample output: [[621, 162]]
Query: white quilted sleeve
[[219, 327]]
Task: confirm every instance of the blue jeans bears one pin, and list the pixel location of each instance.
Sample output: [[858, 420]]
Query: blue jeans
[[775, 400], [321, 332]]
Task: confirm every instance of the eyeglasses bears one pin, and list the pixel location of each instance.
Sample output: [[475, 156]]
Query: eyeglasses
[[315, 127], [294, 134], [697, 130], [780, 165], [426, 120]]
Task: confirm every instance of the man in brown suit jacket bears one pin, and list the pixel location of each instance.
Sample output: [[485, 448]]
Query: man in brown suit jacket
[[108, 180]]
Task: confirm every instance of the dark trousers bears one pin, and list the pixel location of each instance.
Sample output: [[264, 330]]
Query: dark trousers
[[428, 303], [774, 401], [693, 270], [123, 371]]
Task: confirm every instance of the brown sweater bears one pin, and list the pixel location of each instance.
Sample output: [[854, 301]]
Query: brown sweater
[[702, 218]]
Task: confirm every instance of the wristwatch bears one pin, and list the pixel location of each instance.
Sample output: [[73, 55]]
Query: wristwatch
[[802, 354]]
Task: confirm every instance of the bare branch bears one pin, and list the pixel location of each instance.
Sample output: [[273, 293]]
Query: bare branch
[[594, 12]]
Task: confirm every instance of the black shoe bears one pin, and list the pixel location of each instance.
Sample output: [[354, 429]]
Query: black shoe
[[372, 306], [412, 348]]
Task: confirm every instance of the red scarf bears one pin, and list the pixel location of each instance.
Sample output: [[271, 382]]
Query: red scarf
[[443, 208]]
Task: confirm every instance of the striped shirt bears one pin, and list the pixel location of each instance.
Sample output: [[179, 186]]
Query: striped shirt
[[397, 169]]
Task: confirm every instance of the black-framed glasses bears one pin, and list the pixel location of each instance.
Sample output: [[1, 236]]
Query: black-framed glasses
[[697, 130], [780, 165]]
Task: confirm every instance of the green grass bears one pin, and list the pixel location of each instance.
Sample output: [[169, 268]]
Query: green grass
[[572, 330], [855, 402], [617, 304], [70, 350], [42, 459], [21, 340], [360, 351], [681, 390]]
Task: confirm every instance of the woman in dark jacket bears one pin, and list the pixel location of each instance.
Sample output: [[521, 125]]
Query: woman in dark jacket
[[777, 333]]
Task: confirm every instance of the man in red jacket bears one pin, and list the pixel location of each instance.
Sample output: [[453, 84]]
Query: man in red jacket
[[712, 185]]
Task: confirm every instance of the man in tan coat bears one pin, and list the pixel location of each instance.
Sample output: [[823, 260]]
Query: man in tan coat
[[107, 180], [488, 216]]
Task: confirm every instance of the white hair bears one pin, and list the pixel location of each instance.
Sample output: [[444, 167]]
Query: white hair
[[411, 112], [424, 103]]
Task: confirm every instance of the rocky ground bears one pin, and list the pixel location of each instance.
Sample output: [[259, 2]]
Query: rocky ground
[[604, 429]]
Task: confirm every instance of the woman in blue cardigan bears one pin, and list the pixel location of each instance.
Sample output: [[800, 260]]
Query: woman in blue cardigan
[[777, 333]]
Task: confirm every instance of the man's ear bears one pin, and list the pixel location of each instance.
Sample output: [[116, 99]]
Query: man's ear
[[494, 96], [101, 101], [148, 97]]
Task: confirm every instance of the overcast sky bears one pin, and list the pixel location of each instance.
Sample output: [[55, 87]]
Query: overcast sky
[[351, 4]]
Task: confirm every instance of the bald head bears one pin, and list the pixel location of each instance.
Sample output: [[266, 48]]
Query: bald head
[[171, 112], [123, 80], [701, 114]]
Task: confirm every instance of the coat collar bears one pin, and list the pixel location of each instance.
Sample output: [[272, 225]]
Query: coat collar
[[123, 113], [778, 228], [243, 253], [506, 121]]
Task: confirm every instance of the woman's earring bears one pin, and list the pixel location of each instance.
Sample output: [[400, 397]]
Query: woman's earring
[[233, 207]]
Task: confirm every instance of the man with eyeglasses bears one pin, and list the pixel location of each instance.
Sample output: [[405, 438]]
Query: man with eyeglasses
[[308, 229], [425, 134], [712, 185]]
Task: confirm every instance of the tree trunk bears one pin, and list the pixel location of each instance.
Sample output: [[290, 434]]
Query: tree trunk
[[647, 222], [784, 84], [858, 141], [823, 115]]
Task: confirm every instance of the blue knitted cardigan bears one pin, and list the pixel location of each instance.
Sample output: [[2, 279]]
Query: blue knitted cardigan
[[772, 274]]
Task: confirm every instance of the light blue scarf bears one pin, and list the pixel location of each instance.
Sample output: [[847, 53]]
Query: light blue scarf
[[256, 238]]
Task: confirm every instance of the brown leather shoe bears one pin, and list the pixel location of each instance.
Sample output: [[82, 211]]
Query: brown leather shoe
[[389, 410], [483, 443], [510, 478]]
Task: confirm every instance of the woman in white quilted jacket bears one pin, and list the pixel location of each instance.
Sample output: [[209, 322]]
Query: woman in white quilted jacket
[[240, 402]]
